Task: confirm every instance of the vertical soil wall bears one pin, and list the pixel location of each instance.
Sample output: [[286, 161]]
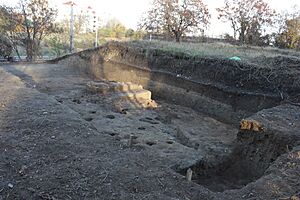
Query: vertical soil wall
[[213, 95]]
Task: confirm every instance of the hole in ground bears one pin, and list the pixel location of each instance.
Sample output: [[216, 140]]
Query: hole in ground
[[76, 101], [89, 119], [110, 116], [249, 160], [150, 143]]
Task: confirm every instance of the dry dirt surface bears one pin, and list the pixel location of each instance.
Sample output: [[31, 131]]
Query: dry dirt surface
[[58, 141]]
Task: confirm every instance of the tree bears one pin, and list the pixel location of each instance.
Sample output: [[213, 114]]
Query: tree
[[288, 35], [80, 22], [116, 27], [5, 43], [5, 47], [113, 29], [37, 21], [176, 17], [247, 17], [12, 33], [56, 42], [129, 33]]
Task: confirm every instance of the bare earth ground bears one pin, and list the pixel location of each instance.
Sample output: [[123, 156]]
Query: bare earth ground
[[59, 142]]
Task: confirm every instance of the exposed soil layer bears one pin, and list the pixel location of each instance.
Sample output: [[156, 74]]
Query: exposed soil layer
[[254, 152], [59, 140], [276, 75], [209, 94]]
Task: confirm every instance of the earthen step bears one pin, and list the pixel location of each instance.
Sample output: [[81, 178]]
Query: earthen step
[[147, 103], [106, 87], [98, 87], [125, 87], [134, 95]]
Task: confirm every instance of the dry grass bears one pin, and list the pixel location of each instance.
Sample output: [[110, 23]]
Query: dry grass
[[221, 50]]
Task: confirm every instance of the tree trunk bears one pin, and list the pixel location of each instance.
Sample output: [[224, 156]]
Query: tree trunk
[[17, 51], [32, 50], [29, 50], [242, 33], [177, 37]]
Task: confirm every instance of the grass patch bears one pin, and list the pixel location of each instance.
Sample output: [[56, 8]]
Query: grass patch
[[220, 50]]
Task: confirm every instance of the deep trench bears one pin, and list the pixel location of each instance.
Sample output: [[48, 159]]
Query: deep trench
[[252, 155]]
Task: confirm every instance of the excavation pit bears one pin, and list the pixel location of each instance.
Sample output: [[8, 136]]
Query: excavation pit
[[255, 150], [201, 102]]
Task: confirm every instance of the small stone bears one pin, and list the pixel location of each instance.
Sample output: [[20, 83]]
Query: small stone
[[10, 185], [52, 137], [189, 174], [295, 198], [31, 189], [22, 170]]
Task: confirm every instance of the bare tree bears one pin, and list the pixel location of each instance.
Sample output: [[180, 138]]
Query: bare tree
[[176, 17], [37, 21], [246, 16], [80, 22]]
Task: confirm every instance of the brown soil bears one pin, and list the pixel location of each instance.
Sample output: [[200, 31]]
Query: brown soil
[[60, 141]]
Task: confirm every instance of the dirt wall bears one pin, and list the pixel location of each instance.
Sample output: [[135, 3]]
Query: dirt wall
[[254, 152], [228, 90]]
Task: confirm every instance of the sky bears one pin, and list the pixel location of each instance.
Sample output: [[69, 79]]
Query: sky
[[129, 12]]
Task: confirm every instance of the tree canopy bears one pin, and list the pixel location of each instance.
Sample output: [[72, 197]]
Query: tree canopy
[[176, 17], [288, 35], [247, 17], [37, 20]]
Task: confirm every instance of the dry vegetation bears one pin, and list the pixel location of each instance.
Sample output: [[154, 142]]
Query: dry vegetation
[[221, 50]]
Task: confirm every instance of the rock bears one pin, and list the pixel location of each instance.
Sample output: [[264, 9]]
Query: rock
[[22, 170], [251, 125]]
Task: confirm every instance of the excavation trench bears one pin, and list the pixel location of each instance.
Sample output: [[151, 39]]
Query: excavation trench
[[250, 154], [221, 102]]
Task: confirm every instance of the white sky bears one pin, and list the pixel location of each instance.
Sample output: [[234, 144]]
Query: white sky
[[129, 12]]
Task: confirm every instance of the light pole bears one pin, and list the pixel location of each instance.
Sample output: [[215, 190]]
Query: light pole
[[72, 4], [95, 27], [95, 24], [96, 38]]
